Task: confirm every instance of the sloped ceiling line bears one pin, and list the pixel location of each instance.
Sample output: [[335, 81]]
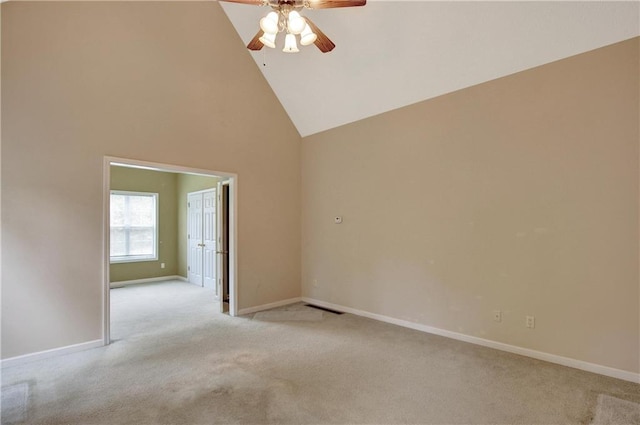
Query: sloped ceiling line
[[391, 54]]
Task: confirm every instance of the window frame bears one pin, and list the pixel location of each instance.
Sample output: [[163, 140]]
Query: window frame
[[137, 258]]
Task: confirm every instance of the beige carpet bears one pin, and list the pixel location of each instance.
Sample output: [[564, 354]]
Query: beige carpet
[[612, 410], [176, 361], [15, 402]]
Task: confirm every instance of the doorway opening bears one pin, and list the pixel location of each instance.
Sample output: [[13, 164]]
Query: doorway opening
[[146, 234]]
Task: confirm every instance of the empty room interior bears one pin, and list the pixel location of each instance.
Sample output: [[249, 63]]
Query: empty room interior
[[382, 212]]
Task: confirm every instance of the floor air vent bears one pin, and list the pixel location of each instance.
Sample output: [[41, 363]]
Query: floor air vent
[[324, 309]]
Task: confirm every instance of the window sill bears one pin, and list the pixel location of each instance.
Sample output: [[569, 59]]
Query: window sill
[[133, 260]]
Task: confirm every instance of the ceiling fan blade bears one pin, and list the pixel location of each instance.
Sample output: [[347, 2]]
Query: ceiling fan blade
[[329, 4], [253, 2], [255, 43], [322, 42]]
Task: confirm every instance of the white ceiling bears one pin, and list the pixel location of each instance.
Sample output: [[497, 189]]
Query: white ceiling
[[391, 54]]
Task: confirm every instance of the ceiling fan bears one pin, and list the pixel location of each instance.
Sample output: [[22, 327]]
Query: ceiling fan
[[285, 17]]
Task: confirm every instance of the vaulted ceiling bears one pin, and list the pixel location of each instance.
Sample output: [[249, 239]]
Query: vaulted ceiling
[[391, 54]]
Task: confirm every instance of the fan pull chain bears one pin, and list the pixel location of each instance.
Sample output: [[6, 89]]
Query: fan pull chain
[[264, 57]]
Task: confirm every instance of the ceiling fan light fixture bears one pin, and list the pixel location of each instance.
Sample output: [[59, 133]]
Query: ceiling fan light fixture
[[268, 40], [296, 22], [307, 36], [290, 45], [269, 24], [285, 18]]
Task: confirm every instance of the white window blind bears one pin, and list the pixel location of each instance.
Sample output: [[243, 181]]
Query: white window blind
[[134, 226]]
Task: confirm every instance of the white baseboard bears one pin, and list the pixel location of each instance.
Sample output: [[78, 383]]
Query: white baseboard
[[552, 358], [268, 306], [54, 352], [147, 280]]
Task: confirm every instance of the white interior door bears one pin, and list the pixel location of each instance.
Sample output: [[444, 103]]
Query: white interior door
[[220, 251], [194, 235], [209, 241]]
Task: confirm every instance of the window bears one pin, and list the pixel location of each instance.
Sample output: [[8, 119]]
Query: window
[[134, 226]]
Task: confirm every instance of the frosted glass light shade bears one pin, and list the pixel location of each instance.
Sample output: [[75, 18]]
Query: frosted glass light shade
[[290, 45], [296, 22], [268, 40], [269, 24], [307, 36]]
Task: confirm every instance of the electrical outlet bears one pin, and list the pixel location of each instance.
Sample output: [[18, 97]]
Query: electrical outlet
[[497, 315], [162, 265], [315, 283], [531, 322]]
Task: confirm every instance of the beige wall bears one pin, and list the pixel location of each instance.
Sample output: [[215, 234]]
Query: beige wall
[[187, 183], [518, 195], [167, 82], [165, 185]]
